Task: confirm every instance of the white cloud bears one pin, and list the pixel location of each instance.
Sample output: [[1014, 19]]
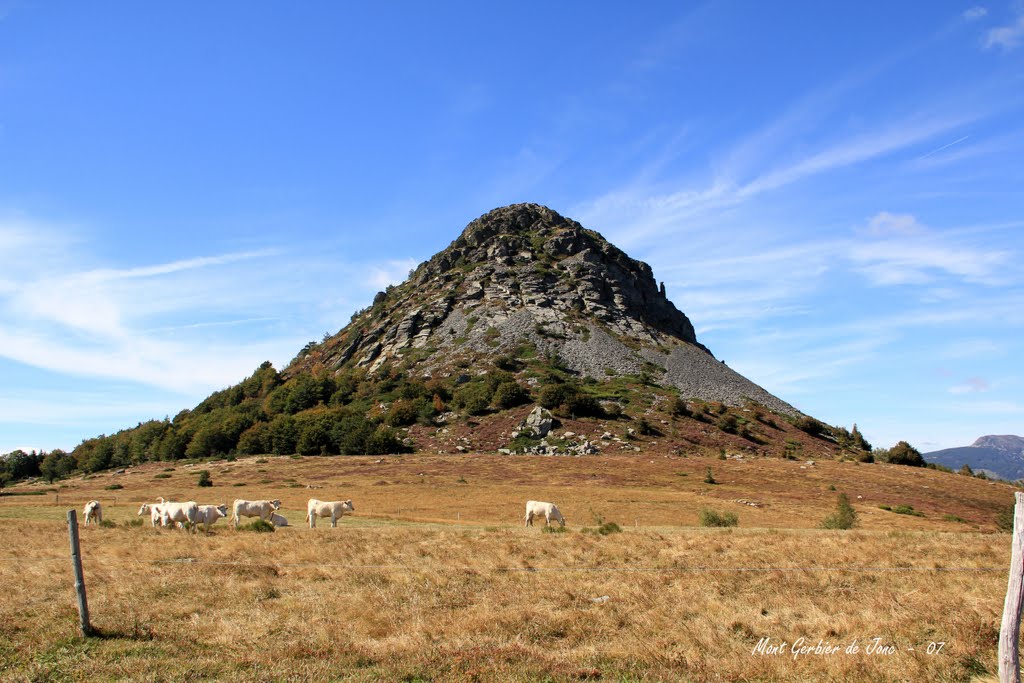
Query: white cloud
[[390, 273], [184, 325], [908, 261], [972, 385], [852, 151], [975, 13], [908, 253], [885, 224], [970, 348], [1006, 37]]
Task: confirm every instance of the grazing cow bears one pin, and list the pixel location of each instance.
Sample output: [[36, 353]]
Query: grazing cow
[[253, 508], [334, 509], [209, 514], [278, 520], [183, 514], [154, 511], [93, 512], [535, 508]]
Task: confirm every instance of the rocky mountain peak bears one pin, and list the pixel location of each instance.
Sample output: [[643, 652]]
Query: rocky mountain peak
[[1007, 443], [522, 279], [545, 260]]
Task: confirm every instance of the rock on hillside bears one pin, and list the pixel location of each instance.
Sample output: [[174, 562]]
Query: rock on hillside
[[1002, 456], [523, 279]]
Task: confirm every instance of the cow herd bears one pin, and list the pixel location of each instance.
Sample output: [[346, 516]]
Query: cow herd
[[190, 515]]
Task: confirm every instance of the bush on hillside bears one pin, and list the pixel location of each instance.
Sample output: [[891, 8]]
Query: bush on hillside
[[845, 517], [902, 454], [712, 518]]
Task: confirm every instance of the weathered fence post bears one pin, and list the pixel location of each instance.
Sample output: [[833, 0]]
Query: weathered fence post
[[1009, 632], [76, 563]]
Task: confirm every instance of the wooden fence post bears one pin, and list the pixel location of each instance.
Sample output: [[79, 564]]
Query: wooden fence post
[[76, 563], [1009, 632]]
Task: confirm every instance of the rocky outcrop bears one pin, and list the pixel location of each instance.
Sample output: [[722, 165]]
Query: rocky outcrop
[[523, 276], [537, 424]]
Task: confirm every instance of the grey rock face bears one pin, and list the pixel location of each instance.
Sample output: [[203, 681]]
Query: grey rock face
[[524, 276]]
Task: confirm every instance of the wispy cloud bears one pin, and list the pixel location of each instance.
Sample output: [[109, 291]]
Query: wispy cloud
[[972, 385], [1006, 37], [856, 150], [975, 13], [390, 273], [885, 224], [183, 325], [945, 146], [912, 256]]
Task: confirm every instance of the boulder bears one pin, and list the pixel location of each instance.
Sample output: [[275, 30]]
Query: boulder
[[538, 423]]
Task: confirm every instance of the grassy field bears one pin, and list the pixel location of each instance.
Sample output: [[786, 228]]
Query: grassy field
[[435, 579]]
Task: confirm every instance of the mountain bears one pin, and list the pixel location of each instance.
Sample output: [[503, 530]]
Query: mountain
[[527, 318], [523, 275], [1002, 456]]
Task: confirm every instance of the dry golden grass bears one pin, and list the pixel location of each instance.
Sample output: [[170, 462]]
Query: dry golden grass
[[422, 596]]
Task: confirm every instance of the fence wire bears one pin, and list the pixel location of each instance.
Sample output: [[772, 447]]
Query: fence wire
[[694, 569]]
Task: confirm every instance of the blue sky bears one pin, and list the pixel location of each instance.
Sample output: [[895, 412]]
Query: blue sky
[[833, 192]]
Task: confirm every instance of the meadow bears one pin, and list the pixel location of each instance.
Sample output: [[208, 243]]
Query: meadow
[[434, 578]]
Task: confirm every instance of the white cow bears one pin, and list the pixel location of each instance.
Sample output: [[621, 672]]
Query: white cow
[[278, 520], [209, 514], [253, 508], [334, 509], [184, 514], [93, 512], [536, 508], [154, 511]]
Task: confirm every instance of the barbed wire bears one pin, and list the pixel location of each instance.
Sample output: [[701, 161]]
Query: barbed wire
[[696, 569]]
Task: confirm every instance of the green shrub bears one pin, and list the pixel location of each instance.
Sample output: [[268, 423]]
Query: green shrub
[[709, 478], [883, 506], [678, 408], [613, 411], [162, 475], [554, 529], [553, 395], [645, 428], [473, 398], [113, 487], [907, 510], [509, 395], [845, 517], [133, 522], [602, 527], [809, 425], [108, 524], [261, 526], [709, 517], [728, 423], [902, 454], [404, 412], [204, 478]]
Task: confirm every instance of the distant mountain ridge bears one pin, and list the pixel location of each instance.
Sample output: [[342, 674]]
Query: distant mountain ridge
[[1000, 455]]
